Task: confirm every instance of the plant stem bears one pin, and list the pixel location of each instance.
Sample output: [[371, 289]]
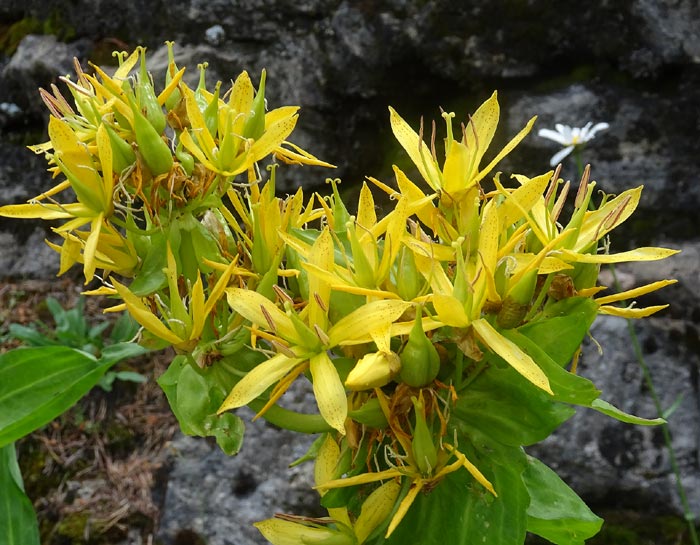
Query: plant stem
[[666, 431], [291, 420]]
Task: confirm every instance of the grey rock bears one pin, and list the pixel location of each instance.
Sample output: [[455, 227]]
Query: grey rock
[[38, 62], [219, 497]]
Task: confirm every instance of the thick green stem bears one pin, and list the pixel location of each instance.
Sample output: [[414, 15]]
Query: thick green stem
[[291, 420]]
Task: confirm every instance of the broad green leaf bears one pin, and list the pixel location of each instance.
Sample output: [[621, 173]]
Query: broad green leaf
[[566, 386], [194, 396], [39, 384], [509, 408], [18, 523], [562, 334], [556, 513], [460, 511], [612, 411]]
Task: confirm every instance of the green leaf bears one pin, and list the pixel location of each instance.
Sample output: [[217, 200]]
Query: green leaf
[[18, 522], [509, 408], [612, 411], [195, 395], [461, 511], [39, 384], [561, 334], [120, 351], [30, 335], [556, 513], [124, 329], [566, 386]]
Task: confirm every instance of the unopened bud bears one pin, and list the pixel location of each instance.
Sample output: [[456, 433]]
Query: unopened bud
[[420, 361], [370, 414], [373, 371], [423, 447]]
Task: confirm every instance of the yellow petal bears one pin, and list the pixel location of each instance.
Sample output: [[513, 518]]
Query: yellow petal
[[363, 478], [523, 199], [366, 214], [286, 532], [326, 461], [597, 223], [450, 311], [630, 312], [367, 318], [506, 150], [44, 211], [249, 304], [104, 149], [91, 248], [257, 380], [417, 150], [639, 254], [375, 509], [513, 354], [196, 311], [455, 180], [471, 468], [404, 506], [329, 391], [636, 292], [272, 138], [321, 256], [144, 316]]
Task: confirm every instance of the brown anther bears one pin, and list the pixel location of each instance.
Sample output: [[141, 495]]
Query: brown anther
[[320, 302], [559, 204], [282, 295], [551, 190], [322, 336], [583, 187], [268, 318]]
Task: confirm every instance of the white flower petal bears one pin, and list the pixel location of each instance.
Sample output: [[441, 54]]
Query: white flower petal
[[552, 135], [565, 131], [557, 157], [597, 127]]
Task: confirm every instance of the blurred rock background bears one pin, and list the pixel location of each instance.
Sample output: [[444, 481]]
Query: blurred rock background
[[632, 63]]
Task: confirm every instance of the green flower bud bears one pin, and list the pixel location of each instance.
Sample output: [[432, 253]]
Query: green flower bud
[[517, 302], [170, 72], [146, 98], [373, 371], [420, 361], [370, 414], [186, 160], [123, 154], [211, 112], [285, 532], [153, 149], [255, 125], [424, 451], [409, 282]]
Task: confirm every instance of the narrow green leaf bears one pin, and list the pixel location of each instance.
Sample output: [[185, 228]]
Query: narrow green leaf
[[18, 522], [612, 411], [556, 513]]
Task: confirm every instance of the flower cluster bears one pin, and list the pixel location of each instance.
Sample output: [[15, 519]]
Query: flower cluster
[[436, 337]]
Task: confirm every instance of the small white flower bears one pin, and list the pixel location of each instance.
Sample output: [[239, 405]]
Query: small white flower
[[570, 137]]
